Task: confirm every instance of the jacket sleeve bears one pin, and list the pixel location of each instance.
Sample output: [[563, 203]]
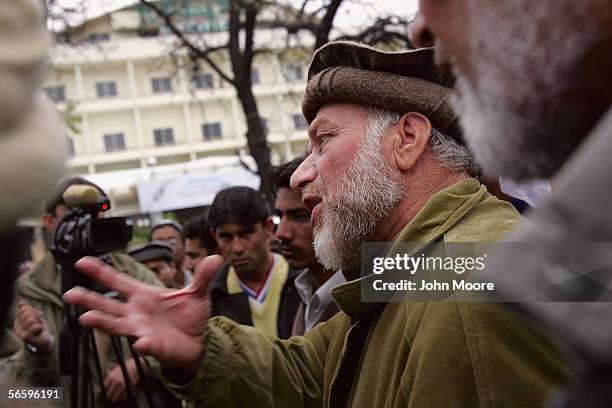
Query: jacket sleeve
[[511, 364], [243, 367]]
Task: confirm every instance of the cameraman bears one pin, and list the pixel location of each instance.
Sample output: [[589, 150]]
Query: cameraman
[[41, 312]]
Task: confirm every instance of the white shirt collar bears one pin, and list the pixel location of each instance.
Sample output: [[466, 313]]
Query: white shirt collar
[[316, 303]]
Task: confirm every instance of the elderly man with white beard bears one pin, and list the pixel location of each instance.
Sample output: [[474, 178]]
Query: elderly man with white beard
[[386, 163]]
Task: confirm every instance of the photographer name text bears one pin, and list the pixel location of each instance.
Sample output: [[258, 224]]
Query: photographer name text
[[453, 265], [457, 284]]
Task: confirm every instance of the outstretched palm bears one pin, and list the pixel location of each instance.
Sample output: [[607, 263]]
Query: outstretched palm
[[168, 324]]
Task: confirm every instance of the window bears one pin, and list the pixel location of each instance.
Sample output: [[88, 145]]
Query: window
[[163, 136], [293, 73], [106, 89], [161, 85], [211, 131], [203, 81], [114, 142], [56, 93], [98, 37], [254, 76], [299, 122]]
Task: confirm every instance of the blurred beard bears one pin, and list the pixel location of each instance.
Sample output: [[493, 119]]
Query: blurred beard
[[366, 195], [534, 94]]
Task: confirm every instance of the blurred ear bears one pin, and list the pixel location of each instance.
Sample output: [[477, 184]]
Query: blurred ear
[[269, 225], [410, 140], [47, 220]]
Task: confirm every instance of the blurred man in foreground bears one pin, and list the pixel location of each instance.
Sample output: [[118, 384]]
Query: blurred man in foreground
[[27, 175], [534, 93], [255, 285], [386, 164], [294, 234], [199, 241]]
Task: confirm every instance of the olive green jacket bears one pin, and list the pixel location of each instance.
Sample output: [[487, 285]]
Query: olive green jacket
[[42, 289], [421, 355]]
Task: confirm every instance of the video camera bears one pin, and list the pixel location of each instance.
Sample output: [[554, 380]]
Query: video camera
[[81, 233]]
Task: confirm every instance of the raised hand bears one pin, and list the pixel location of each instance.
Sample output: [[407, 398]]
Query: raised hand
[[168, 324]]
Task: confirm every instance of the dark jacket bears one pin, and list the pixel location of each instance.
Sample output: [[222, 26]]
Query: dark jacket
[[236, 306]]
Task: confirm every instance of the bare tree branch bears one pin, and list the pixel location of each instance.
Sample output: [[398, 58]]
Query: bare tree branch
[[193, 49], [322, 34], [390, 29]]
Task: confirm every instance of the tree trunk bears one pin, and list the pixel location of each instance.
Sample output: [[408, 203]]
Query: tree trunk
[[256, 136], [242, 61]]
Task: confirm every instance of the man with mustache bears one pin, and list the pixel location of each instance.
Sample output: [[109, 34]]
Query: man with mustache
[[534, 93], [255, 285], [386, 163], [294, 234]]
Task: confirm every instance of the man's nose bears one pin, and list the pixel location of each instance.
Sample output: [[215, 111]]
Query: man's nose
[[304, 174], [237, 245], [419, 33], [283, 231]]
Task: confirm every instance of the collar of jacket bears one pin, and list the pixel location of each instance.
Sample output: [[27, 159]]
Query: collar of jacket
[[441, 212]]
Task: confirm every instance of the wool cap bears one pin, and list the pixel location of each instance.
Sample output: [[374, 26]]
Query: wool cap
[[153, 251], [408, 81]]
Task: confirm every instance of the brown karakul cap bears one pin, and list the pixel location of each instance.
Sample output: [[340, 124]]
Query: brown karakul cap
[[408, 81]]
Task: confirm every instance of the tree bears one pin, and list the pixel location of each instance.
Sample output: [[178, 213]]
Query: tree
[[247, 16]]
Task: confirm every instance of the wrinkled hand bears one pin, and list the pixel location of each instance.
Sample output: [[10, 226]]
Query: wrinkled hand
[[31, 327], [167, 324], [114, 383]]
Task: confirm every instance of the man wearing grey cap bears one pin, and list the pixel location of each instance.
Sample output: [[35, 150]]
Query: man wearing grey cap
[[158, 257], [386, 163]]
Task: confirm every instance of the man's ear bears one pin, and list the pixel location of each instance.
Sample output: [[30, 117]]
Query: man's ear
[[47, 220], [213, 232], [269, 225], [411, 140]]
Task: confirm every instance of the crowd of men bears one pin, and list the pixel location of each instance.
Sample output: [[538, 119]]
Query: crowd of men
[[397, 143], [254, 286]]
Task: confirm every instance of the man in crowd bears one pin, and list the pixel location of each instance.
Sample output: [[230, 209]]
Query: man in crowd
[[40, 314], [199, 241], [535, 93], [171, 232], [157, 256], [294, 234], [255, 285], [386, 163]]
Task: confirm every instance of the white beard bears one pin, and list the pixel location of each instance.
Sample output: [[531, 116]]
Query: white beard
[[528, 106], [367, 193]]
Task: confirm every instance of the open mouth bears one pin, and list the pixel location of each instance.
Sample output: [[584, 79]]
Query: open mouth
[[314, 204]]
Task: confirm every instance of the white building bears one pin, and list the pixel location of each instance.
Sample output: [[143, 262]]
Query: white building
[[143, 105]]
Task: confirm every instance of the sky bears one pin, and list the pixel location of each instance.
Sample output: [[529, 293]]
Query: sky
[[348, 13]]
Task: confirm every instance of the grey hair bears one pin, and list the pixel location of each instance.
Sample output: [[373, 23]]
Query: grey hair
[[451, 155]]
